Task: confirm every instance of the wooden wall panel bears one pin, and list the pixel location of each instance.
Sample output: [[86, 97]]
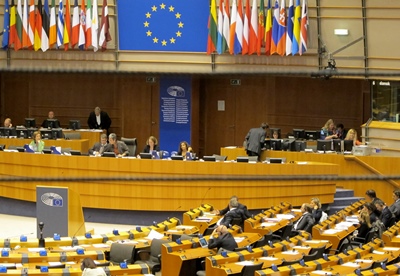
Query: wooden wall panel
[[133, 103]]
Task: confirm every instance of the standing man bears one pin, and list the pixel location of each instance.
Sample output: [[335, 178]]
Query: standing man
[[255, 140], [99, 119]]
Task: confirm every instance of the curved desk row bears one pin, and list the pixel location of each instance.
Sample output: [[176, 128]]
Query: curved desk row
[[147, 194], [81, 145]]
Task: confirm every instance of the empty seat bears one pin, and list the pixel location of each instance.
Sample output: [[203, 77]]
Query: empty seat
[[132, 144]]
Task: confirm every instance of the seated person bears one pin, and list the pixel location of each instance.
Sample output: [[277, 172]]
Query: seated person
[[371, 210], [327, 131], [37, 143], [233, 213], [240, 206], [184, 148], [45, 123], [306, 221], [223, 240], [151, 144], [118, 147], [316, 209], [352, 135], [100, 147], [365, 225], [386, 216], [89, 268], [7, 123], [340, 131], [395, 207], [275, 135]]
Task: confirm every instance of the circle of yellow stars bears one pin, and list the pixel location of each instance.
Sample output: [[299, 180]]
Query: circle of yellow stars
[[157, 39]]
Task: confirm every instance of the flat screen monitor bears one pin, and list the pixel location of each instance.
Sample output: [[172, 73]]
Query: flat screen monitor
[[52, 123], [299, 146], [22, 133], [177, 157], [276, 160], [47, 151], [20, 149], [74, 124], [46, 134], [145, 155], [2, 147], [276, 144], [75, 152], [324, 145], [209, 158], [242, 159], [299, 133], [273, 130], [312, 134], [30, 122], [348, 145], [9, 132], [57, 133], [108, 154], [337, 145]]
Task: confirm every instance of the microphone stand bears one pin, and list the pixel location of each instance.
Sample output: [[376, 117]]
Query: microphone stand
[[41, 239]]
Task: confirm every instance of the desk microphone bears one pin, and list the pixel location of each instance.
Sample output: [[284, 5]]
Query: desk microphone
[[205, 195], [74, 239], [324, 147]]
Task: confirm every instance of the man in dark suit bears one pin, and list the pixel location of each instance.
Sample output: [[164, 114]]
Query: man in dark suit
[[387, 217], [306, 221], [240, 206], [224, 240], [99, 119], [255, 140], [395, 207], [100, 147], [233, 215]]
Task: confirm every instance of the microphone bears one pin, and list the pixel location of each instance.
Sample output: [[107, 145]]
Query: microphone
[[324, 147], [74, 239], [205, 195]]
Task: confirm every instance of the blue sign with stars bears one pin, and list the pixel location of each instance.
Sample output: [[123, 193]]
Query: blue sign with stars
[[163, 25]]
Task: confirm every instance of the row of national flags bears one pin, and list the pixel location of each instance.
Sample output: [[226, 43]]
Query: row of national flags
[[44, 25], [245, 29]]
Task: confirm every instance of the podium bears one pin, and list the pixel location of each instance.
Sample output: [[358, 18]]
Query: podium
[[59, 208]]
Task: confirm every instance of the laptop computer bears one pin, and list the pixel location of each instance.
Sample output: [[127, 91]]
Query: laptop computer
[[145, 155], [209, 158], [108, 154], [177, 157]]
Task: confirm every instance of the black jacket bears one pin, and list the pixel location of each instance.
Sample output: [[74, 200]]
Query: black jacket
[[306, 222], [105, 121], [225, 241], [242, 207], [231, 215]]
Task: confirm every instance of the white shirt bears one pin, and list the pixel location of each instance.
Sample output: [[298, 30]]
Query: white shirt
[[98, 119]]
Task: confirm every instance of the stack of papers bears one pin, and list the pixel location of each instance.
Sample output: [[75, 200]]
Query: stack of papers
[[239, 239], [284, 216], [245, 263], [154, 235]]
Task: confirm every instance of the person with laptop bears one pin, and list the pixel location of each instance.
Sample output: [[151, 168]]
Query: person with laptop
[[184, 149], [100, 147], [222, 238], [118, 147], [37, 144], [151, 144]]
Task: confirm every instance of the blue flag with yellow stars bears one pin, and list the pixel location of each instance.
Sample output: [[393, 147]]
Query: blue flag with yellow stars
[[163, 25]]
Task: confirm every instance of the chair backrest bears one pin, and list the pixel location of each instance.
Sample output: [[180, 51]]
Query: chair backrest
[[155, 248], [132, 144], [310, 257], [286, 263], [320, 251], [237, 221], [72, 135], [261, 242], [120, 252], [248, 270]]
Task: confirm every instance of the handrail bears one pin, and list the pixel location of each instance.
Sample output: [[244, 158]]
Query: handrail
[[371, 169]]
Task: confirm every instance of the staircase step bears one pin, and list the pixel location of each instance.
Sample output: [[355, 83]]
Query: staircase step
[[345, 201], [344, 193]]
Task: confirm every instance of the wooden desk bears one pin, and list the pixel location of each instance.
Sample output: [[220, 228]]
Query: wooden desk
[[180, 259], [133, 269], [163, 195], [32, 257], [92, 135], [82, 145]]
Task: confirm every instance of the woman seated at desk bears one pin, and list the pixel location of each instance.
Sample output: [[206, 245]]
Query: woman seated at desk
[[151, 144], [37, 144], [184, 148], [352, 135], [365, 225], [328, 131]]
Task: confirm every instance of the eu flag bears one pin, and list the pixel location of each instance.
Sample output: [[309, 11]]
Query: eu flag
[[163, 25], [6, 30]]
